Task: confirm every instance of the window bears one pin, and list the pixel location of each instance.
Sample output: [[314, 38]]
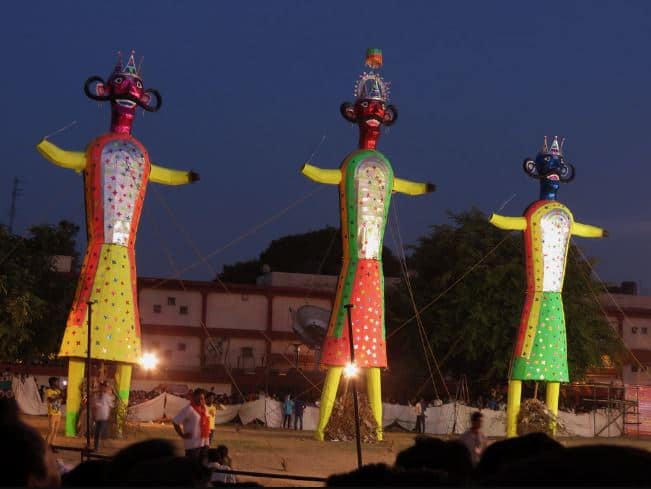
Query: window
[[157, 308], [634, 330], [247, 352], [633, 368], [168, 354], [645, 330], [171, 301], [183, 310], [181, 347]]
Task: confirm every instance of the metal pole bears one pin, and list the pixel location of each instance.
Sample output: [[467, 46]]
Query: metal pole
[[88, 363], [354, 382]]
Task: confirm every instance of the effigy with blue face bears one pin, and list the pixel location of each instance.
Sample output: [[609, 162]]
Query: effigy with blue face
[[541, 348]]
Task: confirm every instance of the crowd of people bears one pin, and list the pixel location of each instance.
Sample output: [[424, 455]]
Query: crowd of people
[[531, 460]]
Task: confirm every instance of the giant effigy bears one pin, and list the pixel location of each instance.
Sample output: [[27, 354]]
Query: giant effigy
[[116, 169], [366, 182], [540, 352]]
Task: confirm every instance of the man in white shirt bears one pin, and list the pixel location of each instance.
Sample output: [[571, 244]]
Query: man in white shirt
[[187, 424], [102, 405], [474, 439]]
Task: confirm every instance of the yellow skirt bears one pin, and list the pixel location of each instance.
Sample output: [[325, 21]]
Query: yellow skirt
[[108, 279]]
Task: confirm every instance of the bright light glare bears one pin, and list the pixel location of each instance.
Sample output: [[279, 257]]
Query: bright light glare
[[350, 370], [149, 361]]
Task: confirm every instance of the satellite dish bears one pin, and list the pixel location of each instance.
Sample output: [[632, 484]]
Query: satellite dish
[[310, 323]]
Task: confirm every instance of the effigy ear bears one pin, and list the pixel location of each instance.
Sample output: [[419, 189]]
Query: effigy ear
[[566, 172], [530, 168], [99, 92], [348, 112], [146, 99], [390, 115]]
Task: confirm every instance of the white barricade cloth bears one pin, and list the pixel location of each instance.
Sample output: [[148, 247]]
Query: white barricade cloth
[[441, 420], [149, 410], [27, 396], [252, 410], [228, 414], [310, 418], [174, 404]]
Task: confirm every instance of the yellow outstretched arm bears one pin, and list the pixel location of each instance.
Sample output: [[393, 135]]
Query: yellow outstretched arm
[[167, 176], [75, 160], [320, 175], [508, 223], [587, 231], [412, 188]]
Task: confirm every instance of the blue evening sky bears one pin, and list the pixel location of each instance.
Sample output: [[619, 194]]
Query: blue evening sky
[[251, 88]]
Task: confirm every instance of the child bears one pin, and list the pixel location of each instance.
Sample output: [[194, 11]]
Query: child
[[218, 459]]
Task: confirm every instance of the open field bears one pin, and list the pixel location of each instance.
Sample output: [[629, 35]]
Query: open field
[[285, 451]]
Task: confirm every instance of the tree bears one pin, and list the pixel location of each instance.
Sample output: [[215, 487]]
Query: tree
[[34, 298], [472, 327], [317, 252]]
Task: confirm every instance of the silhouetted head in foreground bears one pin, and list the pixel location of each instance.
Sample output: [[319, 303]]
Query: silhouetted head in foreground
[[513, 449], [25, 459], [595, 465], [128, 457], [433, 454]]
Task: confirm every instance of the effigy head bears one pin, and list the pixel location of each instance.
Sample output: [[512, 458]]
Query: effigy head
[[550, 168], [124, 89], [371, 109]]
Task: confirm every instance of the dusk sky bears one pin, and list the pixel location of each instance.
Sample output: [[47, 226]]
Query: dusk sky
[[251, 88]]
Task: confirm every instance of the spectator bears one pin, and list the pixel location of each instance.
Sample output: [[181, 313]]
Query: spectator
[[169, 471], [299, 408], [102, 405], [54, 397], [123, 461], [431, 453], [25, 458], [211, 412], [508, 451], [420, 416], [192, 424], [288, 409], [218, 459], [474, 439]]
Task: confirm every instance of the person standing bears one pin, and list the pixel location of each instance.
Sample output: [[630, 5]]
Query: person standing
[[288, 409], [420, 416], [299, 407], [474, 439], [102, 405], [211, 410], [54, 398], [192, 424]]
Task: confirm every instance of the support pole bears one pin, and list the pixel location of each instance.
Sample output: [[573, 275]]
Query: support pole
[[88, 363], [354, 384]]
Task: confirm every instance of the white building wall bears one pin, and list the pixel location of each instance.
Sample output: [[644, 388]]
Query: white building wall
[[281, 319], [237, 311], [233, 352], [637, 333], [174, 352], [172, 304]]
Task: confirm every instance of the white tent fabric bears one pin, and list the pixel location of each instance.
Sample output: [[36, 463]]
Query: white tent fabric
[[27, 396], [447, 419]]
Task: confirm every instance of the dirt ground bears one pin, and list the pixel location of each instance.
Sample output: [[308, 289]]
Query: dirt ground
[[284, 451]]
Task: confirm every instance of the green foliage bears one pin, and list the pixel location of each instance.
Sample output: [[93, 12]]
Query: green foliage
[[34, 299], [312, 252], [472, 327]]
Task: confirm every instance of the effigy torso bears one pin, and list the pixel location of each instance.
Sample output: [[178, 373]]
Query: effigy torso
[[365, 195], [541, 348], [115, 182]]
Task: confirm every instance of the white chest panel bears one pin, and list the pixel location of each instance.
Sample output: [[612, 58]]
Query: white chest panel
[[123, 168], [371, 180], [555, 228]]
